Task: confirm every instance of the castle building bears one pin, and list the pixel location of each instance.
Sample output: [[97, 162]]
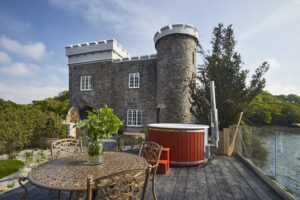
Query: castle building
[[141, 90]]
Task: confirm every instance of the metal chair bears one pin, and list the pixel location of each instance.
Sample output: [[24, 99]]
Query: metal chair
[[151, 152], [123, 185], [65, 148]]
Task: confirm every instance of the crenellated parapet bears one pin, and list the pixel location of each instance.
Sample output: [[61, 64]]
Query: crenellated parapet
[[136, 58], [95, 51], [176, 29]]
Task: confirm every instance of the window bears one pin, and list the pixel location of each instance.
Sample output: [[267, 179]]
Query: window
[[86, 82], [134, 118], [134, 80]]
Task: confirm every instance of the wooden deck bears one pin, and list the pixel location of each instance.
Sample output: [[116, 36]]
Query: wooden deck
[[223, 178]]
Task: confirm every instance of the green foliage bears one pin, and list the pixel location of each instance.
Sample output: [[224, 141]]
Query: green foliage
[[95, 148], [224, 66], [58, 104], [29, 156], [11, 185], [101, 123], [8, 167], [267, 109], [26, 125]]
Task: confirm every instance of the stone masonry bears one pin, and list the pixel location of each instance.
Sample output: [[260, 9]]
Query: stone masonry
[[163, 94]]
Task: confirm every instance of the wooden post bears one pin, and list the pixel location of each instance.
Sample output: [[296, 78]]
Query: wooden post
[[231, 147]]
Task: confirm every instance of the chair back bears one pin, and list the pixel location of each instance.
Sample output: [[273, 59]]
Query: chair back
[[129, 184], [151, 152], [66, 148]]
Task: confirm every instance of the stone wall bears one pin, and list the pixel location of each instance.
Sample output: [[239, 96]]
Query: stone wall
[[110, 86], [175, 65]]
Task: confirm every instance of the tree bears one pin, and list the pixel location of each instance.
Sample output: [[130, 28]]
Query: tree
[[224, 66]]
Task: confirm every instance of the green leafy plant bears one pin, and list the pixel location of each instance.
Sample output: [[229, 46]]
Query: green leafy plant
[[101, 123], [11, 185], [28, 156]]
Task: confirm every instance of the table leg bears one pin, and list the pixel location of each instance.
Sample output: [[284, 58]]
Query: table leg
[[58, 197], [71, 194]]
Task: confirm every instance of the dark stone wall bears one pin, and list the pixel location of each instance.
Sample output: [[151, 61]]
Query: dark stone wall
[[110, 86], [142, 98], [174, 71], [101, 93], [163, 83]]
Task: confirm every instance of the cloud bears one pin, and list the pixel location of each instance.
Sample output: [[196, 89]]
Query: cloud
[[36, 51], [24, 93], [4, 58], [282, 88], [20, 69], [274, 63], [127, 18], [285, 14]]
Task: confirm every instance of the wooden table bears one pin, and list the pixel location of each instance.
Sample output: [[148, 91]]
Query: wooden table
[[70, 174]]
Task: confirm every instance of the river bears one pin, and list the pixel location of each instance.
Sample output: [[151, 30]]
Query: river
[[283, 159]]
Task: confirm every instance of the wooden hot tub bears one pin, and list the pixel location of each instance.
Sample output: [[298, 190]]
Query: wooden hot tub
[[186, 141]]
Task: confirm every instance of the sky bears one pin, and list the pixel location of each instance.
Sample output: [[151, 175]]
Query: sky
[[33, 34]]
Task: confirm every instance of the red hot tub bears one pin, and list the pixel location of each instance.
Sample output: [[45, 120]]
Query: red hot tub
[[186, 141]]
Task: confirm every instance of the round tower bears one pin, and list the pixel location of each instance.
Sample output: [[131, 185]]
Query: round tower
[[176, 63]]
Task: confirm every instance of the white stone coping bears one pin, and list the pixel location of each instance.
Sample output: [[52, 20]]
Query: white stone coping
[[135, 58], [186, 29], [178, 126], [96, 46]]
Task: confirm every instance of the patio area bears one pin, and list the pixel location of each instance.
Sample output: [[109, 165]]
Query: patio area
[[223, 178]]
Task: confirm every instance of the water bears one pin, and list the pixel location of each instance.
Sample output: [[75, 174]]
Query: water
[[283, 159]]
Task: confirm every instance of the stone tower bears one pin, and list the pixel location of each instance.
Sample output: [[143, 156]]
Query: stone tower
[[176, 63]]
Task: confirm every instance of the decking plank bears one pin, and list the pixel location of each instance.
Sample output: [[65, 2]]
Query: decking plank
[[217, 180], [158, 180], [213, 188], [169, 184], [181, 183], [202, 186], [239, 181], [222, 181], [263, 191], [191, 188]]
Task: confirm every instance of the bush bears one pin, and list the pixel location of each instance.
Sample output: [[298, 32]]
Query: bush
[[25, 126]]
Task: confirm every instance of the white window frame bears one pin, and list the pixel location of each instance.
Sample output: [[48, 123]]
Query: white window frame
[[134, 118], [86, 82], [134, 80]]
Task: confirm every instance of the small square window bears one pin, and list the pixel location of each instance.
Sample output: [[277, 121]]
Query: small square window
[[134, 118], [86, 82], [134, 80]]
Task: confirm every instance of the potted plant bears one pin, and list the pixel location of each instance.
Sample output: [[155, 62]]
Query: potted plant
[[101, 123]]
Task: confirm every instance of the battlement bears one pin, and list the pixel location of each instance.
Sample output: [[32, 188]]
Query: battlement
[[176, 29], [95, 51], [135, 58]]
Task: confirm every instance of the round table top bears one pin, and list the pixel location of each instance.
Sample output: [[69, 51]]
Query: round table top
[[71, 173]]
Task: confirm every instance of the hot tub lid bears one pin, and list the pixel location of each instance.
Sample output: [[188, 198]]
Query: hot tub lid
[[178, 126]]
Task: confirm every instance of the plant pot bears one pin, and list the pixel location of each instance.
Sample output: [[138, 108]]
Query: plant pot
[[95, 152]]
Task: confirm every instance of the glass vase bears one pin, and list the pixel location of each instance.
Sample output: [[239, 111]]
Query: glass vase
[[95, 152]]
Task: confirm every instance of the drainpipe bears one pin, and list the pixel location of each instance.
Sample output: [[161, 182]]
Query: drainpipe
[[214, 116]]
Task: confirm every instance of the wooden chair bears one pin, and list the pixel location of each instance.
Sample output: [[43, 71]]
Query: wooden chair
[[123, 185], [65, 148], [151, 152]]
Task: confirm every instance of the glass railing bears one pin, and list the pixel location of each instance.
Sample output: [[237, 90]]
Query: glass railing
[[277, 154]]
